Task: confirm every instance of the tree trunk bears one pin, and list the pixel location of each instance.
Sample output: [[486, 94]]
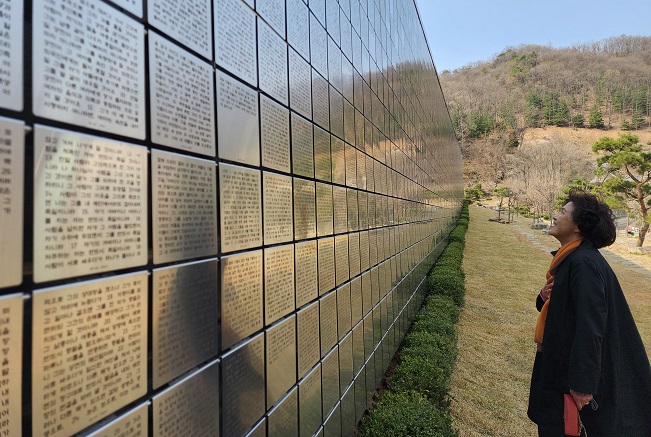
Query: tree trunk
[[641, 235]]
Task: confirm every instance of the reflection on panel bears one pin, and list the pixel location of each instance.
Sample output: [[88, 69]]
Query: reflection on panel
[[237, 121], [104, 362], [243, 386], [240, 207], [272, 58], [278, 282], [278, 214], [241, 296], [184, 207], [322, 158], [306, 272], [304, 209], [309, 402], [274, 135], [302, 146], [12, 145], [348, 420], [134, 423], [184, 326], [330, 380], [189, 407], [187, 21], [324, 212], [326, 255], [300, 85], [318, 48], [283, 419], [328, 321], [90, 204], [11, 335], [77, 34], [298, 30], [11, 74], [308, 347], [280, 341], [273, 12], [182, 98], [235, 43]]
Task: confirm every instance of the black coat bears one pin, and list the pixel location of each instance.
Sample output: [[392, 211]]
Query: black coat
[[591, 345]]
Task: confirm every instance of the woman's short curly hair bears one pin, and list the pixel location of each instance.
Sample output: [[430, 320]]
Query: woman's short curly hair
[[594, 218]]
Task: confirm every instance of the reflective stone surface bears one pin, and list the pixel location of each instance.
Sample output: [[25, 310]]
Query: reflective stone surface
[[280, 359], [304, 209], [82, 368], [309, 402], [134, 423], [12, 148], [11, 308], [240, 207], [308, 347], [241, 296], [182, 99], [187, 21], [237, 121], [235, 39], [184, 207], [274, 135], [190, 406], [307, 285], [330, 381], [283, 418], [11, 75], [272, 58], [119, 106], [315, 133], [243, 386], [185, 330], [79, 227], [279, 299], [302, 146], [328, 321]]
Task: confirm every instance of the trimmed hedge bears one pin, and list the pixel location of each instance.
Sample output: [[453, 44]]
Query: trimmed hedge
[[417, 402], [407, 414], [447, 281]]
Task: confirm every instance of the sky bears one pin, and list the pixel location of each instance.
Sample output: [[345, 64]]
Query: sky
[[463, 31]]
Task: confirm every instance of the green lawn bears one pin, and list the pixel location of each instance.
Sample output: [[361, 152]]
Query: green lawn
[[504, 272]]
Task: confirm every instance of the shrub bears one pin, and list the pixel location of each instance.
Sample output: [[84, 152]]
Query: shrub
[[407, 414], [430, 344], [448, 282], [442, 306], [453, 252], [458, 235], [422, 374], [434, 322]]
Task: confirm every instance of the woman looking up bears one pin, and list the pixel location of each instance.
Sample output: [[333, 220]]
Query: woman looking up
[[587, 341]]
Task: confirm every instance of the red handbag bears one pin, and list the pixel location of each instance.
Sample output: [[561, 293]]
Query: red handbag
[[571, 415]]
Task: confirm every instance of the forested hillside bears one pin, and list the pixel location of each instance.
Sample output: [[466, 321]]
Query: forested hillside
[[527, 119], [601, 84]]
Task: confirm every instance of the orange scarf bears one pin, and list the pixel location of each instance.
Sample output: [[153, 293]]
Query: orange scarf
[[562, 253]]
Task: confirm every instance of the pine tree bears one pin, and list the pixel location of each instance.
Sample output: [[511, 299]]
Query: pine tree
[[595, 118]]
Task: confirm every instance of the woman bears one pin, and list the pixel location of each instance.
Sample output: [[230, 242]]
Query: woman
[[588, 344]]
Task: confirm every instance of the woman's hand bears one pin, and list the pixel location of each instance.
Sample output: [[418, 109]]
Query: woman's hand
[[547, 289], [581, 399]]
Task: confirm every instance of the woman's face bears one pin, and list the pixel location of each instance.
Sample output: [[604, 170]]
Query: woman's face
[[563, 227]]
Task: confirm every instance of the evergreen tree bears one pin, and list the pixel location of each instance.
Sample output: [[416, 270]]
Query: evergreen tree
[[628, 171], [533, 111], [595, 118], [578, 120]]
